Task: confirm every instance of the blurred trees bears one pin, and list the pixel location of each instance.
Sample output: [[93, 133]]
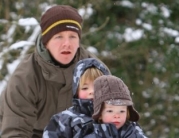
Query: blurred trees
[[138, 40]]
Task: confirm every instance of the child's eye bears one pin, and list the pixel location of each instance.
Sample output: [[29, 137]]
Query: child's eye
[[122, 111], [109, 111], [85, 88]]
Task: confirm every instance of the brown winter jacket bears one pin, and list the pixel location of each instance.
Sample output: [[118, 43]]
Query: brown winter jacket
[[36, 90]]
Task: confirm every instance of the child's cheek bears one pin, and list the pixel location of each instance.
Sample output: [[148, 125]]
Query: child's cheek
[[82, 95], [106, 119]]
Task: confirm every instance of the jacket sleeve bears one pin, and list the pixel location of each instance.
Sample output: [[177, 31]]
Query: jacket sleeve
[[131, 130], [19, 111], [59, 126]]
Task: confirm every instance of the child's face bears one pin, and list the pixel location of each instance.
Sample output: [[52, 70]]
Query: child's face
[[86, 91], [114, 114]]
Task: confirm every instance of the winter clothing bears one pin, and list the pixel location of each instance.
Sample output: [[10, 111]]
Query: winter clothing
[[60, 18], [129, 130], [80, 69], [38, 89], [112, 90], [69, 123]]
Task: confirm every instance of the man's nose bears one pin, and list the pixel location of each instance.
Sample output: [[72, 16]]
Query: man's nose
[[66, 42]]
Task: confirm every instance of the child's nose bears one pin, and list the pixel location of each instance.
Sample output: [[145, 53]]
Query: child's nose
[[91, 92], [116, 115]]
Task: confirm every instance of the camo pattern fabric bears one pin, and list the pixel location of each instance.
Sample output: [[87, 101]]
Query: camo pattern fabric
[[69, 123], [129, 130], [99, 131]]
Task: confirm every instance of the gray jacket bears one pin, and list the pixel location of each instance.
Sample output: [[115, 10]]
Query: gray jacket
[[95, 130]]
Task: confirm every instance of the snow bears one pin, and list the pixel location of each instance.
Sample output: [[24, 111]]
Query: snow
[[165, 11], [10, 33], [12, 66], [3, 21], [105, 54], [129, 35], [86, 12], [177, 39], [92, 50], [2, 85], [150, 8], [147, 26], [20, 44], [132, 35], [19, 5], [127, 3], [156, 81], [25, 45], [170, 32], [35, 33], [28, 22], [138, 21]]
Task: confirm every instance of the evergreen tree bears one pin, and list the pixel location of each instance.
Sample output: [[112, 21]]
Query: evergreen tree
[[138, 40]]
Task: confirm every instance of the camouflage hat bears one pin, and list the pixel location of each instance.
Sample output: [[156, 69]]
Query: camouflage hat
[[112, 90]]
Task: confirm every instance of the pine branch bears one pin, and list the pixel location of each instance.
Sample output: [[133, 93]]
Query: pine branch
[[97, 29]]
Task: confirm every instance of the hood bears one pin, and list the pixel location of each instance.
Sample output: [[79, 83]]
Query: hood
[[80, 68], [42, 51], [45, 54]]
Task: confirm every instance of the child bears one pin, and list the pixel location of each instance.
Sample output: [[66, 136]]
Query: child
[[114, 112], [68, 124]]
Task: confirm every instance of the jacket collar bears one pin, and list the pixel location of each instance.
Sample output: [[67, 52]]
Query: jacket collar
[[83, 106]]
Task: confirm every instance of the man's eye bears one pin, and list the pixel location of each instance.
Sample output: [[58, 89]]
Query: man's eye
[[72, 36], [59, 36]]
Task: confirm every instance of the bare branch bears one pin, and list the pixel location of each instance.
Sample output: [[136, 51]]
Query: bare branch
[[98, 29]]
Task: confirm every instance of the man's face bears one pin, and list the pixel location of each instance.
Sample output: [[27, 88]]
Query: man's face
[[114, 114], [63, 46]]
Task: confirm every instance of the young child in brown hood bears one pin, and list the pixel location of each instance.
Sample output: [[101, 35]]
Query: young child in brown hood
[[114, 113]]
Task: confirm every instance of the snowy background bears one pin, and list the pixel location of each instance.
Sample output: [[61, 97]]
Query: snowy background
[[145, 31]]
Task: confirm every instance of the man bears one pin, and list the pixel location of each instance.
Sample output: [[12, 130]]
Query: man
[[42, 83]]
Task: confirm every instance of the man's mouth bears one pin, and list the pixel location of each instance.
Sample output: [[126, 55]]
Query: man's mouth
[[66, 52]]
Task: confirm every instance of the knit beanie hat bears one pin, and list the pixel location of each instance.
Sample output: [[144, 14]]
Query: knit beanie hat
[[112, 90], [60, 18]]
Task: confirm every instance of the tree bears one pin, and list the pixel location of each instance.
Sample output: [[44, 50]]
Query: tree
[[138, 40]]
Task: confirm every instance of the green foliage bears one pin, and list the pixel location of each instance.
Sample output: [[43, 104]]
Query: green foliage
[[149, 65]]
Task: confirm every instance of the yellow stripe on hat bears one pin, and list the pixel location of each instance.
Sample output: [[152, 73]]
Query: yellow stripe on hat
[[60, 22]]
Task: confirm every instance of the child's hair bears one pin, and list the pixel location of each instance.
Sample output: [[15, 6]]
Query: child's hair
[[102, 107], [87, 69], [90, 74]]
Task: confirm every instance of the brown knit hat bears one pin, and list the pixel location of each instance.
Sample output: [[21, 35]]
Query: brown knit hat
[[110, 89], [60, 18]]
